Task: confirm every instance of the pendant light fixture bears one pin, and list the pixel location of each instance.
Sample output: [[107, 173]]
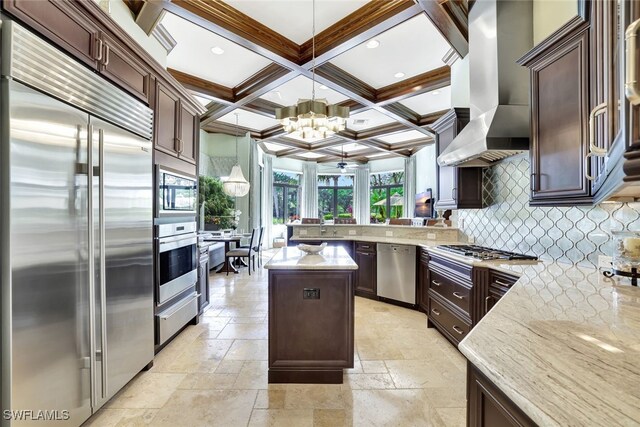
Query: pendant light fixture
[[313, 119], [236, 185]]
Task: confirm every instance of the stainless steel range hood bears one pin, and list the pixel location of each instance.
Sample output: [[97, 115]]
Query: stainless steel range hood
[[500, 32]]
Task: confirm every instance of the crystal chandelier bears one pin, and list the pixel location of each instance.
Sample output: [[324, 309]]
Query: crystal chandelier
[[313, 119], [236, 185]]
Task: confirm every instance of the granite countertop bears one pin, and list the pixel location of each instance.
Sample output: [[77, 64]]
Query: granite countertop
[[292, 258], [376, 239], [563, 344]]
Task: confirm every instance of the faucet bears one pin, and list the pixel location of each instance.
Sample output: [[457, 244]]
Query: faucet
[[323, 230], [335, 231]]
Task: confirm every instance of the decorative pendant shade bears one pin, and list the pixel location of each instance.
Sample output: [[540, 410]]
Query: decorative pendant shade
[[236, 185], [313, 119]]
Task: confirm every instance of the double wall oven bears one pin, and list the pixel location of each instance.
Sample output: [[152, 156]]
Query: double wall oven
[[176, 253]]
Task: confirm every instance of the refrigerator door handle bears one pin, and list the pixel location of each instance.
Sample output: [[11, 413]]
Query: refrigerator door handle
[[103, 266], [91, 267]]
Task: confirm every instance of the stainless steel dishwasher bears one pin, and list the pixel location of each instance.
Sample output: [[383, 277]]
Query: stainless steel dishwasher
[[397, 272]]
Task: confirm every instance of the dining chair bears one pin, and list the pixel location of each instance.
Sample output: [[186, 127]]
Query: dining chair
[[246, 252], [257, 249]]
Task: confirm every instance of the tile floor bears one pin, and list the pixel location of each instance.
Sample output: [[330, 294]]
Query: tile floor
[[215, 373]]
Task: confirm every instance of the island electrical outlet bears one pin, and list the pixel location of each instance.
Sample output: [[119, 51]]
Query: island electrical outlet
[[311, 293]]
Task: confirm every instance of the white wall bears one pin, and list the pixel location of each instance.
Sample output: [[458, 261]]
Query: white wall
[[426, 170], [283, 163], [124, 18], [460, 83], [386, 165], [549, 15]]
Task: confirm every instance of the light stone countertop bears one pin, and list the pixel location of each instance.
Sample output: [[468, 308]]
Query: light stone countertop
[[377, 239], [292, 258], [563, 344]]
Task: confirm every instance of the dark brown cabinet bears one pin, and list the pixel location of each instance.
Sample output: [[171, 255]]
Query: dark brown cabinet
[[121, 67], [189, 123], [423, 281], [487, 406], [498, 283], [366, 275], [177, 127], [458, 187]]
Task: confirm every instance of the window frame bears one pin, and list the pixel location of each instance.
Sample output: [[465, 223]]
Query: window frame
[[387, 188], [285, 194], [335, 188]]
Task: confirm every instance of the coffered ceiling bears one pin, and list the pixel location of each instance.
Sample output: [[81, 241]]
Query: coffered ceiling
[[387, 60]]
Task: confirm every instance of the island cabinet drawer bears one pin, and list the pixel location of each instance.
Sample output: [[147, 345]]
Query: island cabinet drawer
[[449, 323], [454, 292], [365, 247]]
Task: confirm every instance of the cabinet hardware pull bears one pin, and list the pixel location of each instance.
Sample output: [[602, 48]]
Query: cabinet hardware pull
[[587, 175], [593, 148], [181, 145], [176, 145], [458, 330], [499, 282], [107, 54], [532, 182], [631, 82], [453, 193], [436, 312], [457, 295], [99, 57], [486, 304], [435, 283]]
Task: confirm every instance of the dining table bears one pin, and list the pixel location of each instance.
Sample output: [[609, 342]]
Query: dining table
[[227, 239]]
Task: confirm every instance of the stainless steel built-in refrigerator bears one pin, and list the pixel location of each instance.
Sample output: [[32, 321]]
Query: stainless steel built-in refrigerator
[[76, 232]]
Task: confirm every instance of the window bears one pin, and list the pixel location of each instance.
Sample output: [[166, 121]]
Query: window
[[286, 186], [387, 196], [335, 196]]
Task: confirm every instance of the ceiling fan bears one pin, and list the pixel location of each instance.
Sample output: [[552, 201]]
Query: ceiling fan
[[342, 165]]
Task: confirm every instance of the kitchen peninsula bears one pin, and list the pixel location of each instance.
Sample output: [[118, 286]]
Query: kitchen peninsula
[[311, 316]]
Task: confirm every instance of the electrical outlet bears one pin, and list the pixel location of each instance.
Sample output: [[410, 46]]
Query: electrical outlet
[[461, 223], [431, 236], [352, 232], [471, 239], [311, 293], [604, 261], [303, 232], [389, 233]]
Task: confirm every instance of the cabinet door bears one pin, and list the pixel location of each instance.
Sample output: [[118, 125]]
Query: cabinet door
[[189, 131], [366, 273], [423, 295], [489, 407], [166, 112], [121, 67], [559, 125], [62, 23], [634, 108], [447, 175]]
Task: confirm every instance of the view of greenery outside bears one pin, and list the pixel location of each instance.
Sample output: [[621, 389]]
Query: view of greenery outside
[[218, 207], [386, 196], [335, 196], [286, 187]]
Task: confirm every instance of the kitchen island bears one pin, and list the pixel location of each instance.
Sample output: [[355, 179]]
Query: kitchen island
[[311, 316]]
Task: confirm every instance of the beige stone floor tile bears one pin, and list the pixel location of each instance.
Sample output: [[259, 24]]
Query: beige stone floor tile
[[397, 408], [329, 418], [371, 349], [368, 381], [374, 367], [215, 322], [146, 390], [227, 366], [248, 320], [248, 350], [247, 331], [453, 396], [314, 396], [424, 373], [452, 417], [243, 312], [253, 375], [207, 381], [281, 418], [206, 408], [270, 399], [122, 418], [357, 368]]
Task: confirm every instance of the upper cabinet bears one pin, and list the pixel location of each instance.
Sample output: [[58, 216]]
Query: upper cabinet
[[582, 124], [458, 187]]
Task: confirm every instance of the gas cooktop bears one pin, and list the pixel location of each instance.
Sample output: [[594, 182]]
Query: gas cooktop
[[480, 252]]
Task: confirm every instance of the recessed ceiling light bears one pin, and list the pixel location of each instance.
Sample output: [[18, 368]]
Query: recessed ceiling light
[[435, 92], [217, 50], [275, 94], [398, 75], [323, 87], [372, 44]]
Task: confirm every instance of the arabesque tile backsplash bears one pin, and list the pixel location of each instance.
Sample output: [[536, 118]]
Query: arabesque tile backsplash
[[575, 235]]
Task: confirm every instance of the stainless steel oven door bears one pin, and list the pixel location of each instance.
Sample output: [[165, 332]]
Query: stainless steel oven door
[[178, 265], [177, 193]]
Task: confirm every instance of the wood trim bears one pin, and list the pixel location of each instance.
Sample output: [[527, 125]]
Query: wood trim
[[203, 86], [345, 80], [260, 79], [236, 22], [272, 132], [429, 119], [229, 129], [425, 82], [450, 18], [377, 131], [446, 120], [402, 111], [368, 21]]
